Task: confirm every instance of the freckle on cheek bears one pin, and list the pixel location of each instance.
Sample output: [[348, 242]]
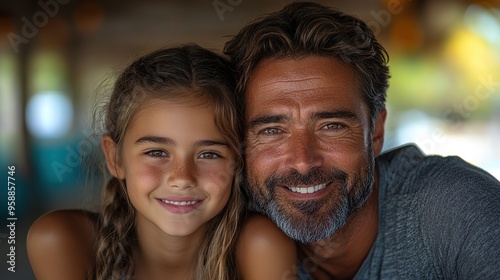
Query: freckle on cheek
[[218, 177], [151, 174]]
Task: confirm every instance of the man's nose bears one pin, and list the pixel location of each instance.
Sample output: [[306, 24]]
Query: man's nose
[[182, 173], [303, 153]]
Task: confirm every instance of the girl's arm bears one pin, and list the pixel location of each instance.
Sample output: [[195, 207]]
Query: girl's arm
[[61, 245], [265, 252]]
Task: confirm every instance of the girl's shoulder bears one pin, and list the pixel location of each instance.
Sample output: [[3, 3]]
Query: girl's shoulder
[[259, 230], [264, 251], [61, 244]]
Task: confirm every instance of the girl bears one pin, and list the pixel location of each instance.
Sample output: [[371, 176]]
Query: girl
[[173, 208]]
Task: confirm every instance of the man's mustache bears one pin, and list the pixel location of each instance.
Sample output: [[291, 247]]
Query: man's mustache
[[315, 176]]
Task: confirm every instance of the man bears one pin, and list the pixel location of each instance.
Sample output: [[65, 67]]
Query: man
[[313, 86]]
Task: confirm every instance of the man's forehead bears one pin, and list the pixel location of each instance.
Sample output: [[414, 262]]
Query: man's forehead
[[308, 77], [307, 72]]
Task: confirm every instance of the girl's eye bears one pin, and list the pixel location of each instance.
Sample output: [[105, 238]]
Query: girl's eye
[[156, 153], [209, 155]]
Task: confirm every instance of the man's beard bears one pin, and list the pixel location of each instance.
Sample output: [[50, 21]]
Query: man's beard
[[315, 219]]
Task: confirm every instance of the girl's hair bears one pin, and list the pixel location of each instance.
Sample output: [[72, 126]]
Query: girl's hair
[[187, 74]]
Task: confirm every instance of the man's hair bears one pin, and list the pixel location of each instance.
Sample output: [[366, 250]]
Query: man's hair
[[303, 29]]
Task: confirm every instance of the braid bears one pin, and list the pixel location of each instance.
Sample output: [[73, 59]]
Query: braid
[[217, 258], [114, 257]]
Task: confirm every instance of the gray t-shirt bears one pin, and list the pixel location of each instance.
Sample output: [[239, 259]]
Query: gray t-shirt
[[439, 219]]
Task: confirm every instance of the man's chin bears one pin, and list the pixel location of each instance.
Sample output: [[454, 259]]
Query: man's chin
[[311, 227]]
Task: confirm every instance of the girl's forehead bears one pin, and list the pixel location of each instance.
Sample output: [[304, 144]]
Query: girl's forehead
[[168, 117], [185, 100], [169, 107]]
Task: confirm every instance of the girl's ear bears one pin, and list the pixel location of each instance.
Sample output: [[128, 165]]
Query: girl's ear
[[109, 148]]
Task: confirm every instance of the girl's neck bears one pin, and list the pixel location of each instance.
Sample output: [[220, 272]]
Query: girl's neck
[[161, 256]]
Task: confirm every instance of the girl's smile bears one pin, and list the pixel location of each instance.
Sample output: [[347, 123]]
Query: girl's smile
[[180, 205]]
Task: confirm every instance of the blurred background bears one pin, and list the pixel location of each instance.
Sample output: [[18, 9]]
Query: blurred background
[[444, 92]]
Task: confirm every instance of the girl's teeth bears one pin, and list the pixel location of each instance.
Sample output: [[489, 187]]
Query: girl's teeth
[[312, 189], [181, 203]]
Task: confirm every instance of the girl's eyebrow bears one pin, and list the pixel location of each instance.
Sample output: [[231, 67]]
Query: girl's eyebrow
[[170, 141], [210, 143], [155, 139]]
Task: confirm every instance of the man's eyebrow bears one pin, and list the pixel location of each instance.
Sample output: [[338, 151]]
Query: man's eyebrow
[[258, 121], [155, 139], [338, 114]]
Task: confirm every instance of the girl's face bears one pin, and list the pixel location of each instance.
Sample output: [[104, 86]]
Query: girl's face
[[177, 166]]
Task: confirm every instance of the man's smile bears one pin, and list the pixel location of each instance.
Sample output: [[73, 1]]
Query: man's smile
[[304, 190]]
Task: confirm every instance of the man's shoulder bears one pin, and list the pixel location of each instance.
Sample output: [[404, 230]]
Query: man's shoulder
[[406, 170], [436, 189], [439, 215], [443, 197]]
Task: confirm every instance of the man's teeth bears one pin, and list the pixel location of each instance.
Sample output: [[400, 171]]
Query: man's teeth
[[312, 189], [181, 203]]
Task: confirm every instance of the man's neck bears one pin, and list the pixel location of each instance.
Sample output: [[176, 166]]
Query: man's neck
[[341, 255]]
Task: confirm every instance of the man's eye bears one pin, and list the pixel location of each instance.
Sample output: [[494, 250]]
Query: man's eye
[[156, 153], [334, 126], [209, 155], [270, 131]]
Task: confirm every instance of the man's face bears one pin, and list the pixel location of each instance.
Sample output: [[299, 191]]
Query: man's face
[[309, 160]]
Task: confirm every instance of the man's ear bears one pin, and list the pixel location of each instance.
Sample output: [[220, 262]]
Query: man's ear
[[110, 150], [378, 133]]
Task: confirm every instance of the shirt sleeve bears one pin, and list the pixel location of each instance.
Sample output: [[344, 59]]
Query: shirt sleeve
[[461, 220]]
